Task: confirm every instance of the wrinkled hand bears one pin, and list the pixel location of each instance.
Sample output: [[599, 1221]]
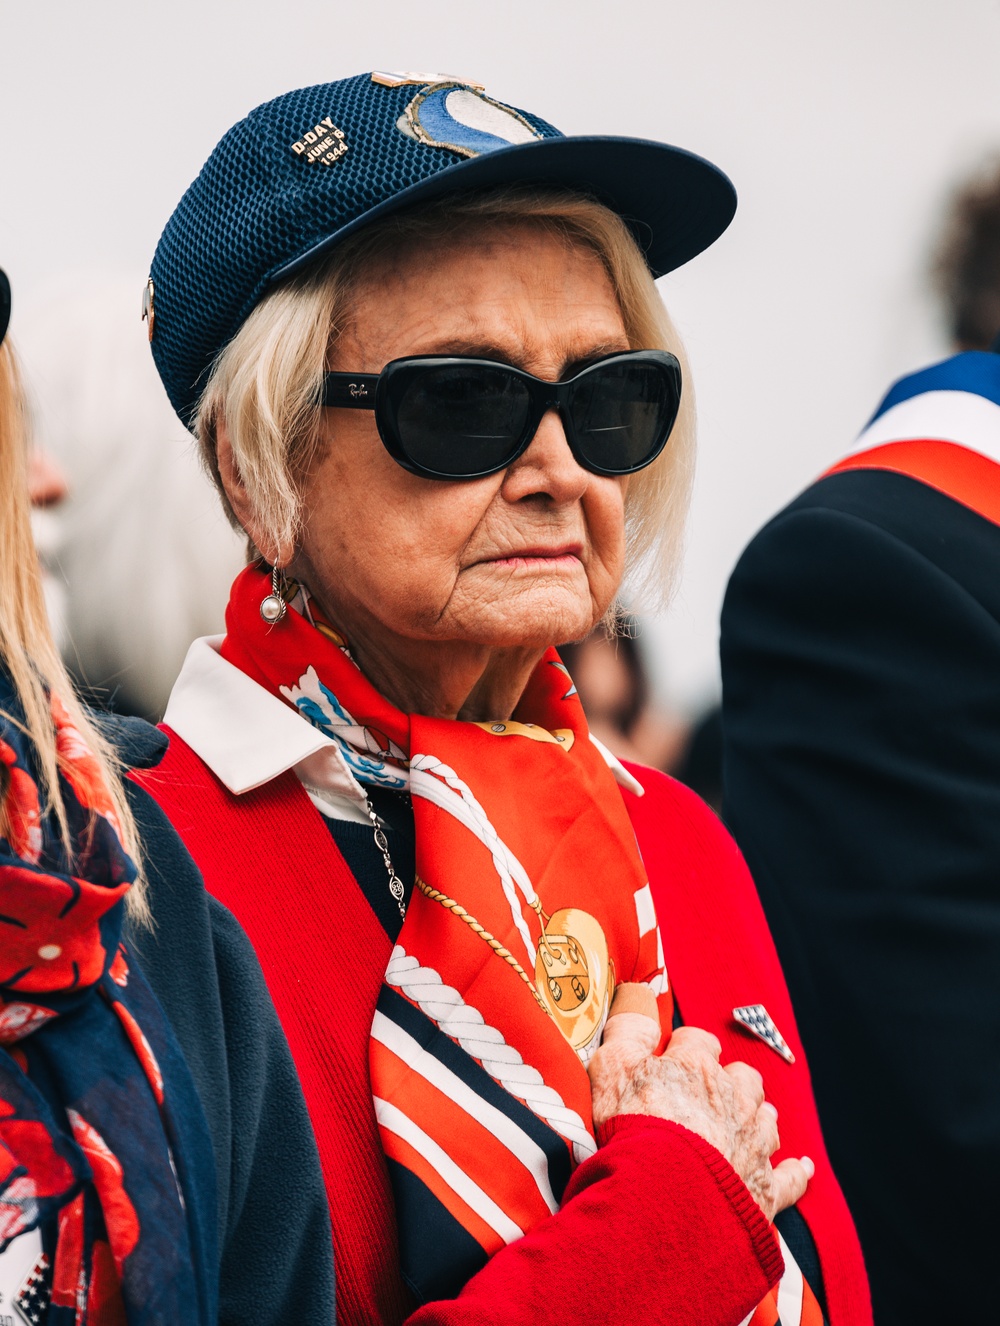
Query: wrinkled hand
[[688, 1085]]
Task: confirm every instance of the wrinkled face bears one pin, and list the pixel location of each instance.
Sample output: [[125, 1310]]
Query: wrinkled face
[[524, 558]]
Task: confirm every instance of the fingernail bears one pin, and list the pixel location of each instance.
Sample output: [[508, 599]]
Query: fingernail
[[808, 1166]]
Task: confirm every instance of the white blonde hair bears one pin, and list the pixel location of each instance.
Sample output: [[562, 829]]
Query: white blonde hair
[[266, 382]]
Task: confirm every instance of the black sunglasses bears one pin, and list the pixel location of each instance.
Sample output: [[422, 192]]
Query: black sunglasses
[[448, 417]]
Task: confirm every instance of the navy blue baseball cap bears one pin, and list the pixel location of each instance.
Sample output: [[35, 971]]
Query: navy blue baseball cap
[[301, 173], [4, 304]]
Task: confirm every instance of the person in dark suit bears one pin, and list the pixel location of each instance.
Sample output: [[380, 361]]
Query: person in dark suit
[[861, 719]]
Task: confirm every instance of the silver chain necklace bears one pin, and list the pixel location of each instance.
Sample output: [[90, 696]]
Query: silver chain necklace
[[395, 883]]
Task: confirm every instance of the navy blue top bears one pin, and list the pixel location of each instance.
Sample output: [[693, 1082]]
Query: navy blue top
[[276, 1249]]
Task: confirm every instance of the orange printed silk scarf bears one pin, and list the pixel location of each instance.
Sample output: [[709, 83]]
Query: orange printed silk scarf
[[530, 903]]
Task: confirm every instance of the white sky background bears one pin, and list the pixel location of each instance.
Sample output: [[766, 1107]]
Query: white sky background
[[842, 125]]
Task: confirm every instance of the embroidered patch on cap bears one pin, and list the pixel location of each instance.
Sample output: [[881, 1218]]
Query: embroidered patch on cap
[[405, 79], [322, 145], [461, 118], [148, 311]]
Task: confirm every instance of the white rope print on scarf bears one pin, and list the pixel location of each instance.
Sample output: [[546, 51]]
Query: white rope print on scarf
[[436, 782], [466, 1025]]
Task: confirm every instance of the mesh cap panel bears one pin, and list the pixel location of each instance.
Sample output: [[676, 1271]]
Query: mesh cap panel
[[259, 209]]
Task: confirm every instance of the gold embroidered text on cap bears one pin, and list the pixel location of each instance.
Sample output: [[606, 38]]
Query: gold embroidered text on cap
[[322, 145]]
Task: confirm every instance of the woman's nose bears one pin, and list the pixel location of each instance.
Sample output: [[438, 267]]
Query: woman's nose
[[47, 484], [548, 468]]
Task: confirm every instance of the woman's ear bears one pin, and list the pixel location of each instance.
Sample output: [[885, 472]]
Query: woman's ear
[[239, 499]]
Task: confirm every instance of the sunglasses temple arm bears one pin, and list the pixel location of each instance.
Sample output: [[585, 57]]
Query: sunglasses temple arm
[[349, 391]]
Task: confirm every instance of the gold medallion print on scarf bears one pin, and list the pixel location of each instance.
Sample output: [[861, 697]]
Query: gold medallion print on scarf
[[574, 974]]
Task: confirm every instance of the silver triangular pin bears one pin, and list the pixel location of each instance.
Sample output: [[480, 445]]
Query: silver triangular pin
[[758, 1020]]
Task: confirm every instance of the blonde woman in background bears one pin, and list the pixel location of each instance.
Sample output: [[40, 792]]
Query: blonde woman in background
[[149, 1112], [140, 556]]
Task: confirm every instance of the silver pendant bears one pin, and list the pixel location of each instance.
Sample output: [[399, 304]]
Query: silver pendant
[[758, 1020], [381, 842]]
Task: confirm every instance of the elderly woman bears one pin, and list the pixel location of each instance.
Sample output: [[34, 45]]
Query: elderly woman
[[417, 334]]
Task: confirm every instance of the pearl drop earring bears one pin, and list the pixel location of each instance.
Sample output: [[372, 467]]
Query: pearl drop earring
[[272, 608]]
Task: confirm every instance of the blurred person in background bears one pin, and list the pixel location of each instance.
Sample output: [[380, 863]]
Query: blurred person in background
[[861, 723], [47, 490], [440, 393], [610, 673], [966, 267], [699, 761], [156, 1160], [143, 555]]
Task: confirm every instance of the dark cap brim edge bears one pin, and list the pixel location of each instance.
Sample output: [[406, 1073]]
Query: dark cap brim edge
[[642, 181]]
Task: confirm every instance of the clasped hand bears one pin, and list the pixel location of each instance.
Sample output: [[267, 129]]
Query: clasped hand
[[688, 1085]]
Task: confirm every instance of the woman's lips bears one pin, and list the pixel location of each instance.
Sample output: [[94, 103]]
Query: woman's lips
[[542, 559]]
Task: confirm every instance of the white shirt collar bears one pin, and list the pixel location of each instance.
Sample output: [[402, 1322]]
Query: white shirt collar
[[247, 736]]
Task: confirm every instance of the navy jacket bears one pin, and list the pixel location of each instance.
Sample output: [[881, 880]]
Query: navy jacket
[[276, 1266], [861, 720]]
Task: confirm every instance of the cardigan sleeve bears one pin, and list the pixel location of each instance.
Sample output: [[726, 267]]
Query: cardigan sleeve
[[275, 1246], [657, 1226]]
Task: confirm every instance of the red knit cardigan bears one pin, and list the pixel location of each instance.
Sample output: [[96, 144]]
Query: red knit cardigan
[[656, 1227]]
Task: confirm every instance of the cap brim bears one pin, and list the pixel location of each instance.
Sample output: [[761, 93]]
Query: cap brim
[[4, 304], [675, 203]]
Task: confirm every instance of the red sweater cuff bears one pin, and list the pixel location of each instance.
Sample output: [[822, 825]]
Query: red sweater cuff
[[736, 1192], [672, 1236]]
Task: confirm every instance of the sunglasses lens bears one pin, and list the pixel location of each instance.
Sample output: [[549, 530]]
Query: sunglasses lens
[[622, 413], [459, 420]]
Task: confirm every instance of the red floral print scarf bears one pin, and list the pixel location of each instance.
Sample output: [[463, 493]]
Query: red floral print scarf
[[105, 1158]]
